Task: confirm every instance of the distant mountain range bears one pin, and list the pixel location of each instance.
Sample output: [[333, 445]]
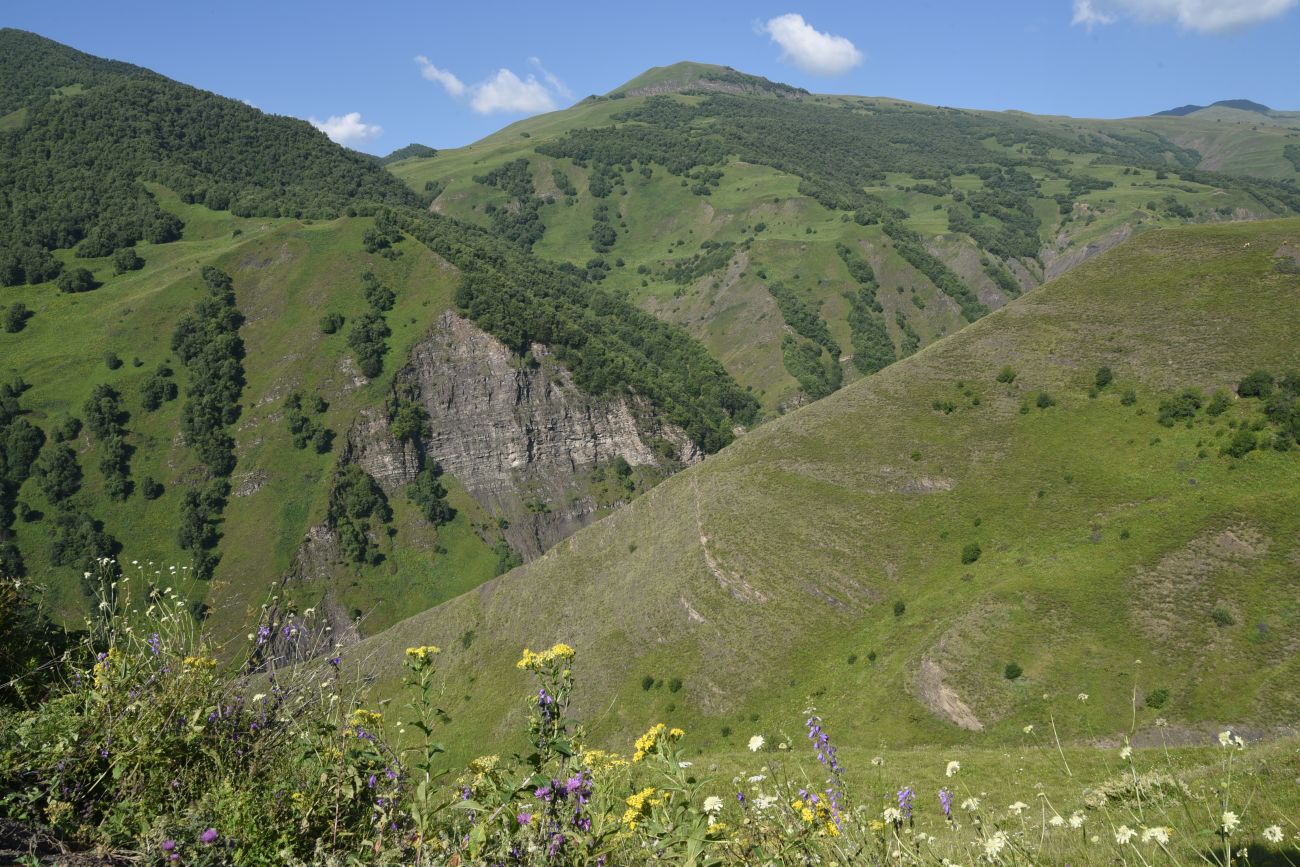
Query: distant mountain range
[[1241, 104]]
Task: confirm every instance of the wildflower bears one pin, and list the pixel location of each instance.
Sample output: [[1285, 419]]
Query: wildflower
[[1029, 729], [763, 803], [892, 815], [637, 804], [878, 761], [1123, 834], [1083, 696], [531, 661], [524, 818], [757, 778], [168, 845], [952, 769], [713, 805], [821, 741], [1230, 822], [259, 696], [1126, 752], [905, 797], [1155, 835], [1077, 819], [994, 845], [1161, 722], [1273, 834], [1017, 808], [684, 765], [1056, 822], [756, 743], [209, 836], [970, 804], [421, 654], [945, 801]]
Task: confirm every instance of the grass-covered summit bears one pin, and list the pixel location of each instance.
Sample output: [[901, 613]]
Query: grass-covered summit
[[810, 240]]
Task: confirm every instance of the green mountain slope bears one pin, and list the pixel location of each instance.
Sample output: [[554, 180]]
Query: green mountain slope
[[887, 552], [232, 344], [695, 190]]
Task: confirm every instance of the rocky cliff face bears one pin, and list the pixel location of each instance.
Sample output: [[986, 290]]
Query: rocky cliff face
[[522, 438]]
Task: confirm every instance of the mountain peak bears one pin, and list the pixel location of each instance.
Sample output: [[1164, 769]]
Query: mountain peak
[[687, 76], [1239, 104]]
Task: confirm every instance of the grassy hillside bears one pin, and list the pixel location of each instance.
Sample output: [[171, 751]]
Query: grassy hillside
[[242, 292], [693, 190], [287, 274], [829, 545]]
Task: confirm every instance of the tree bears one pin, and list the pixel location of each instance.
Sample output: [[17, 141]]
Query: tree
[[1257, 384], [127, 259], [428, 493], [16, 316], [410, 422], [103, 411], [76, 280], [20, 449], [58, 473]]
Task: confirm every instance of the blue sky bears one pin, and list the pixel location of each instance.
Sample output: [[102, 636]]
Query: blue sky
[[354, 69]]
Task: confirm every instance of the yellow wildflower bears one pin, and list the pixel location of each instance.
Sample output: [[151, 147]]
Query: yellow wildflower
[[420, 654], [531, 661], [199, 663], [362, 717], [637, 804], [599, 761], [646, 743]]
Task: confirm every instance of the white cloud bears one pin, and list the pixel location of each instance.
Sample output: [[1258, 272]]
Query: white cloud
[[453, 85], [1204, 16], [507, 92], [551, 79], [347, 129], [503, 91], [810, 49], [1086, 14]]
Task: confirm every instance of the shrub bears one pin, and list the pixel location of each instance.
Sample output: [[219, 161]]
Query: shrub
[[331, 322], [1218, 404], [1243, 442], [16, 316], [648, 682], [1157, 698], [971, 553], [1181, 407], [1223, 617], [1128, 398], [899, 608], [1257, 384], [1007, 375], [150, 488], [1104, 377], [1013, 671], [1045, 400], [127, 259], [111, 360], [675, 684], [76, 280]]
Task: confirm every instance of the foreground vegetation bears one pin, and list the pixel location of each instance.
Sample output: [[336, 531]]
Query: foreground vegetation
[[136, 743]]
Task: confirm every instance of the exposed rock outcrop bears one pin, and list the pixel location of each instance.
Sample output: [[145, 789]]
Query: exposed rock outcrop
[[521, 437]]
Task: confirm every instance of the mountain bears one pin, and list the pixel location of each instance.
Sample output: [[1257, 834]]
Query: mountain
[[405, 153], [234, 346], [315, 383], [809, 240], [1073, 482], [1240, 104]]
